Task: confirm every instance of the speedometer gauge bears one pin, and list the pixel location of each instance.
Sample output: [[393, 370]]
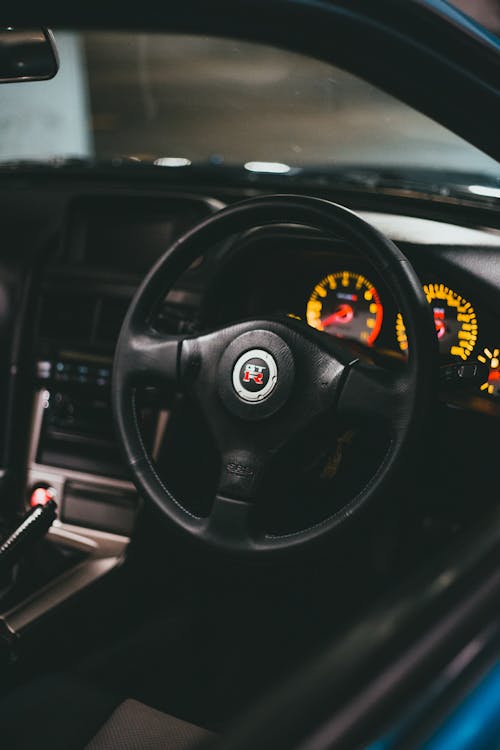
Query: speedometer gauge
[[454, 318], [347, 305]]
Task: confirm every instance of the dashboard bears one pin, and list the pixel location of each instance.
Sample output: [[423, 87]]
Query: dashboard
[[75, 251]]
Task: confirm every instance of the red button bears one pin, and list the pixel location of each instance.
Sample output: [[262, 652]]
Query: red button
[[42, 495]]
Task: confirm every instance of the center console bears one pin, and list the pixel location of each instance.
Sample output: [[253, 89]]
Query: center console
[[74, 450], [106, 247]]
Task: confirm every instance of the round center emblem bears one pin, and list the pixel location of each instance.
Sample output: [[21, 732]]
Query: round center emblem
[[255, 375]]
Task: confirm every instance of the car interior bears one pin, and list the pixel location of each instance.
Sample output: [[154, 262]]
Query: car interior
[[249, 305]]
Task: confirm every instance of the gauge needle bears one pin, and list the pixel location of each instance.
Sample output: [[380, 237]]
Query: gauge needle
[[343, 314], [440, 322]]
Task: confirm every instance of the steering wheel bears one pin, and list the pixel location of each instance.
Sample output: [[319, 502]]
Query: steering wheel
[[261, 382]]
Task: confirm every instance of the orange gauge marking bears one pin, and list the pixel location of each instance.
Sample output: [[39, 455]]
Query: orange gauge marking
[[379, 317], [491, 357]]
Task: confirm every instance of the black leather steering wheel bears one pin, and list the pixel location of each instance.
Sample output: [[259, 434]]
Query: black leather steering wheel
[[260, 382]]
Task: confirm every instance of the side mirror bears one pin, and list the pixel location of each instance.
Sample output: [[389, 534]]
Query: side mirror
[[27, 55]]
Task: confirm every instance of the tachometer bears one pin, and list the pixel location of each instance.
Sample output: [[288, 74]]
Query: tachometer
[[347, 305], [454, 318]]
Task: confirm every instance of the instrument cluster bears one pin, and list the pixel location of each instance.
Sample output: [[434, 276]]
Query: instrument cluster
[[331, 288], [347, 304], [335, 291]]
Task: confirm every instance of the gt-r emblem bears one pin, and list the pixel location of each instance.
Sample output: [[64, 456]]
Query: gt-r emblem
[[255, 373]]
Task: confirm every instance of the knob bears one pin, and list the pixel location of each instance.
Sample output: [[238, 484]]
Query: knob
[[41, 495]]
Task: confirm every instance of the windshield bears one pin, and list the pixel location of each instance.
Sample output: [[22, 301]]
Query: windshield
[[175, 100]]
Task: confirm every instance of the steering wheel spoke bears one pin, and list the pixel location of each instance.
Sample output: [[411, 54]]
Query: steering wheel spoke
[[154, 358], [241, 476], [230, 520], [374, 393]]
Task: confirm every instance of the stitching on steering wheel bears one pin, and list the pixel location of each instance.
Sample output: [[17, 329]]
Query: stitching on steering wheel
[[153, 469], [327, 520]]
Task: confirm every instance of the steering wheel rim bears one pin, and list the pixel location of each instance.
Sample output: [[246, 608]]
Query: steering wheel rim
[[142, 355]]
